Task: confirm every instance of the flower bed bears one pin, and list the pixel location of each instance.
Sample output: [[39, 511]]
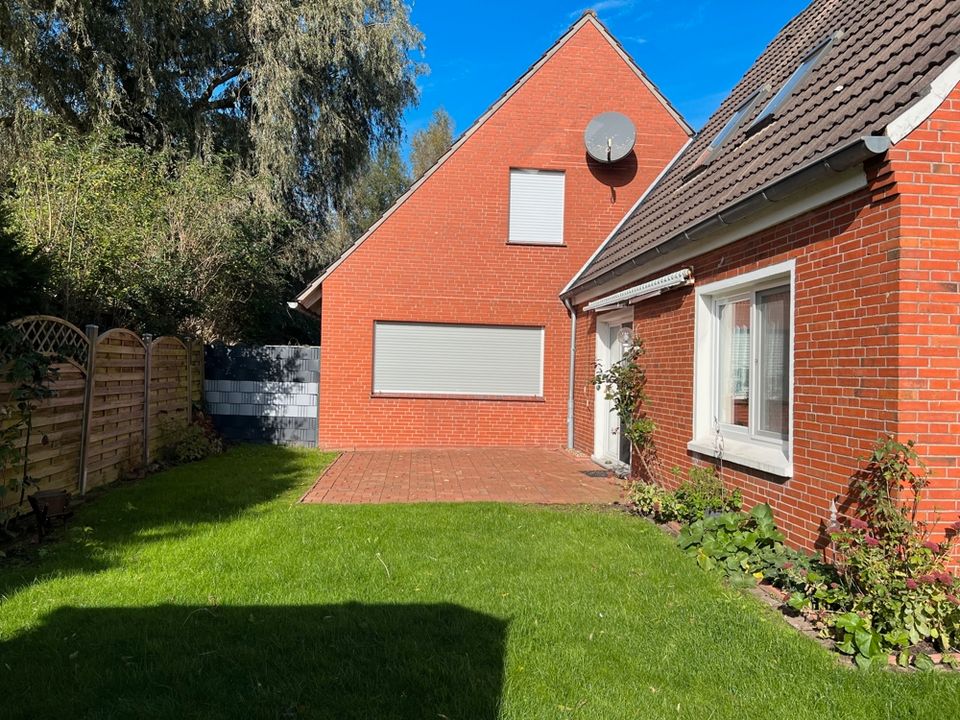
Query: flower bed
[[885, 596]]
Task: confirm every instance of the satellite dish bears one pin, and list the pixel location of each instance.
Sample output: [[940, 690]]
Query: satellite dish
[[609, 137]]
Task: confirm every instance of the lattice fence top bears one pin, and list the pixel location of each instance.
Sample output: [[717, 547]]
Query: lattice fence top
[[53, 336]]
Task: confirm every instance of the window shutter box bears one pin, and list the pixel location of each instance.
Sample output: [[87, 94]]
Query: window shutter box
[[478, 360], [536, 207]]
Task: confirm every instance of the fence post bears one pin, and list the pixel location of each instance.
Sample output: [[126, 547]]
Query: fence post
[[147, 370], [88, 387], [189, 344]]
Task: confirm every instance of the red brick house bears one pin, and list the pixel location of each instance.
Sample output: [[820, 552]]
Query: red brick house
[[793, 269], [442, 325], [794, 274]]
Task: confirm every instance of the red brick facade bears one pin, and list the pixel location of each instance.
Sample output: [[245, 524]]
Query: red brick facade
[[877, 334], [442, 256]]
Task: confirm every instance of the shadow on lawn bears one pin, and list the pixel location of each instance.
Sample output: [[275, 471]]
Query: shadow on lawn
[[171, 504], [334, 661]]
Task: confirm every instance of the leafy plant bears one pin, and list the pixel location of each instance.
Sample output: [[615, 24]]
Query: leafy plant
[[624, 383], [187, 442], [885, 557], [30, 374], [700, 495], [743, 545], [858, 639]]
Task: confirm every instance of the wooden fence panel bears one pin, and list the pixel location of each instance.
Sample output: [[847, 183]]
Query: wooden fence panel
[[169, 399], [55, 438], [104, 402], [116, 428]]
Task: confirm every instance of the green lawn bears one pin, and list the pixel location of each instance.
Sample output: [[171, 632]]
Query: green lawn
[[207, 592]]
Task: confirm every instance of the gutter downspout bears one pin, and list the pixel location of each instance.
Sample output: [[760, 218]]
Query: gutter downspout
[[573, 356]]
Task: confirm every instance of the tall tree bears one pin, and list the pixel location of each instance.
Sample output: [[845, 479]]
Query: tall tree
[[383, 180], [297, 91], [149, 241], [23, 274], [429, 144]]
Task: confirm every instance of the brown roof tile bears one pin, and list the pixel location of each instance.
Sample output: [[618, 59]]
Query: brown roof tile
[[888, 54]]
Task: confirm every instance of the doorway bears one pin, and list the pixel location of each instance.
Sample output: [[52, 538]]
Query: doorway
[[611, 446]]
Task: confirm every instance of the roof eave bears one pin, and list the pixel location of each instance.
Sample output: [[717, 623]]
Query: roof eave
[[853, 153]]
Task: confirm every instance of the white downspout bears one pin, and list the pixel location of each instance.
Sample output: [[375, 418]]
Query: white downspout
[[573, 356]]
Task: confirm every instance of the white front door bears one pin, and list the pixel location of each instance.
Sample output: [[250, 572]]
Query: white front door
[[611, 445]]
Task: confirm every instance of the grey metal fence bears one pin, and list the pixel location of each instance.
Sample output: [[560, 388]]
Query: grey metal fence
[[263, 394]]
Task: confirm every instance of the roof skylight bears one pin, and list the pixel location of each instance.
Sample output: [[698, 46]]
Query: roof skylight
[[766, 116], [726, 131]]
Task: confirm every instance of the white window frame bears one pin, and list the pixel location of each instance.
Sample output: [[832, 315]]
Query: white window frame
[[738, 445], [561, 241]]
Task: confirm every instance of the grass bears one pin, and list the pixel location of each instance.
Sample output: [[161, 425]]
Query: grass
[[207, 592]]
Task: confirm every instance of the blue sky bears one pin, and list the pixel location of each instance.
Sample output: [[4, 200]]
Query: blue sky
[[695, 51]]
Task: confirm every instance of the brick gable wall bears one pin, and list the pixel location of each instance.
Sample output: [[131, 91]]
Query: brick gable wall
[[442, 256]]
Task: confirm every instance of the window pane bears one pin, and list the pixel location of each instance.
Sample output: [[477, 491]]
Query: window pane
[[735, 363], [773, 310]]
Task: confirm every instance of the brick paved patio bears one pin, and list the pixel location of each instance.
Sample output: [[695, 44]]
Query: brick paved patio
[[518, 475]]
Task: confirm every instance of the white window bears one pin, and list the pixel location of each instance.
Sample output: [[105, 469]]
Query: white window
[[435, 359], [743, 383], [536, 207]]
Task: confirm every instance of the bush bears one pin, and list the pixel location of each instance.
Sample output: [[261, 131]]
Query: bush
[[888, 589], [887, 561], [747, 546], [187, 443], [700, 495]]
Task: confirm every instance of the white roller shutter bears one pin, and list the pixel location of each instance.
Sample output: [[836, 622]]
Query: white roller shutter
[[536, 206], [425, 358]]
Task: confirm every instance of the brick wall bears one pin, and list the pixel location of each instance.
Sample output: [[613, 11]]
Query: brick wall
[[877, 346], [845, 363], [442, 256], [927, 170]]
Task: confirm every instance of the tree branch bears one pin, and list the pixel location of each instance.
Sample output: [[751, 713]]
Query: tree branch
[[219, 80]]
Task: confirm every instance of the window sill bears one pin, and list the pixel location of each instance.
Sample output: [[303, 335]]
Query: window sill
[[446, 396], [765, 458], [536, 243]]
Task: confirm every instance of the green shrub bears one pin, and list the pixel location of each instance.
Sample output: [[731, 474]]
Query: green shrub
[[746, 546], [700, 495], [888, 589], [652, 500], [886, 559], [183, 443]]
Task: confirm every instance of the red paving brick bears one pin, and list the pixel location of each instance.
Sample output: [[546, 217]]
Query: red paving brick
[[516, 475]]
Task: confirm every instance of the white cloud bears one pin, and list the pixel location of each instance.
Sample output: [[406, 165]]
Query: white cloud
[[603, 6]]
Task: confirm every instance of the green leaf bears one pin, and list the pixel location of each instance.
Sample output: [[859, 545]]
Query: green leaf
[[868, 643], [851, 622], [762, 513], [923, 662], [846, 645]]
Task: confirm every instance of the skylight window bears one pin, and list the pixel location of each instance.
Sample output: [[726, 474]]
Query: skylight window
[[767, 115], [725, 132]]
